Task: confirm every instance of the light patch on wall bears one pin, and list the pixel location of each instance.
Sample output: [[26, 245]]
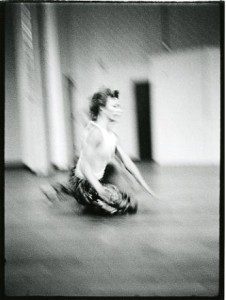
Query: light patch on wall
[[184, 133]]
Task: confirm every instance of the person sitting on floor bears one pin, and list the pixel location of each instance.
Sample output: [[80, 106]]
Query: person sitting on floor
[[89, 181]]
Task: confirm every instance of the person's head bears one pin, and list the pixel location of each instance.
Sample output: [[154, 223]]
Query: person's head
[[105, 102]]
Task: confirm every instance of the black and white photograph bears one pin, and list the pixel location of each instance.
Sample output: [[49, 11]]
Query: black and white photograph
[[113, 177]]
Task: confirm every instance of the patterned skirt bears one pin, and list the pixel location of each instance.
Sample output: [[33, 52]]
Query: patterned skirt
[[118, 203]]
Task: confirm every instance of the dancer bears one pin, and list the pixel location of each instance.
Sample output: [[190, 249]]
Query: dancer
[[91, 181]]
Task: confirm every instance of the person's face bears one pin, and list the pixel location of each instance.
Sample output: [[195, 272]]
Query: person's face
[[112, 109]]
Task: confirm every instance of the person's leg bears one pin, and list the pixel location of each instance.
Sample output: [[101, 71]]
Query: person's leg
[[57, 194], [121, 200], [115, 175], [86, 195], [79, 190]]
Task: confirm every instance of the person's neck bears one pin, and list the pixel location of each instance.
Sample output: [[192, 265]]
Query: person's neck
[[104, 122]]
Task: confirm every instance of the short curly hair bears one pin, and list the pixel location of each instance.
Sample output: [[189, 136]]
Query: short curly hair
[[100, 99]]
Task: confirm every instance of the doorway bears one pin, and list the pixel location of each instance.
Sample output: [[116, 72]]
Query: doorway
[[142, 98]]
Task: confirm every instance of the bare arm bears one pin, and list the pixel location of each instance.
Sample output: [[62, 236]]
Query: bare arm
[[131, 167]]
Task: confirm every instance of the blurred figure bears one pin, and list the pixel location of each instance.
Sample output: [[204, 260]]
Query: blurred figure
[[92, 180]]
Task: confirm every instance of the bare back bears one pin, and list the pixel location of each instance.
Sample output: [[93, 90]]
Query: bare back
[[98, 149]]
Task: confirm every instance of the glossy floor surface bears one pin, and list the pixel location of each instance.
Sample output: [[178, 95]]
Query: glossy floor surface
[[169, 248]]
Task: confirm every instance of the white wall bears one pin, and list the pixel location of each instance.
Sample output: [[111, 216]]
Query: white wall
[[111, 45], [186, 106], [108, 45], [12, 125]]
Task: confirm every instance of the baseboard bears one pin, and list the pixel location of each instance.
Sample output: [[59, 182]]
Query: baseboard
[[138, 160], [14, 165]]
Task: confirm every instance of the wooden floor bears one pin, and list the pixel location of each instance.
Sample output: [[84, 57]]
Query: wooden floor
[[169, 248]]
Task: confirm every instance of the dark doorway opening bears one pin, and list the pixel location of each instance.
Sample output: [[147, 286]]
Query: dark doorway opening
[[142, 98]]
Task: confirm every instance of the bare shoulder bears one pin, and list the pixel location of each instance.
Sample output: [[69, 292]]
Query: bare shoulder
[[94, 135]]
